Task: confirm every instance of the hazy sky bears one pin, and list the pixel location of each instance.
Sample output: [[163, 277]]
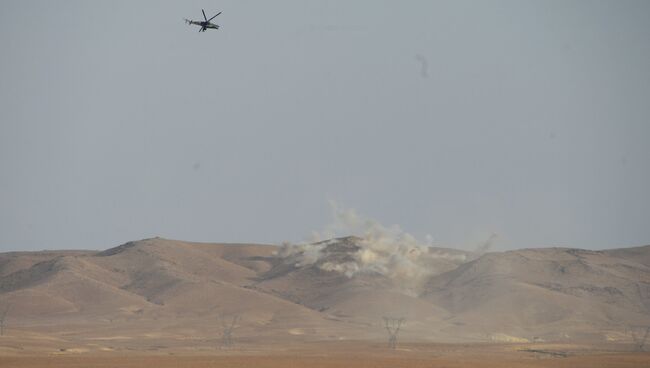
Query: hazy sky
[[529, 119]]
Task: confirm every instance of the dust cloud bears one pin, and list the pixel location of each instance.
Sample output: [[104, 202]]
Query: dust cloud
[[385, 250]]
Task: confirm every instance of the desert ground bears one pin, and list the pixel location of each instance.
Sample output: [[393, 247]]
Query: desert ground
[[347, 354]]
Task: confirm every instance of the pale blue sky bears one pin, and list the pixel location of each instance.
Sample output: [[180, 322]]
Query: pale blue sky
[[120, 122]]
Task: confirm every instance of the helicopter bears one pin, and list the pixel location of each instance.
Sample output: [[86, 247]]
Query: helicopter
[[204, 24]]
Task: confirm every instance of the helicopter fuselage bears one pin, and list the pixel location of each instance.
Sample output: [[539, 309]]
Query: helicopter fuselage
[[204, 25]]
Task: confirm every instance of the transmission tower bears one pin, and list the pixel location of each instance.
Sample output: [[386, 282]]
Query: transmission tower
[[3, 317], [227, 326], [392, 326], [640, 335]]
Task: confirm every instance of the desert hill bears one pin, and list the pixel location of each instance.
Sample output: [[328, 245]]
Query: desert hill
[[337, 289], [547, 292]]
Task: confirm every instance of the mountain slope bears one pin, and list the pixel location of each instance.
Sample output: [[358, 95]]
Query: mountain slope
[[340, 288], [545, 292], [153, 279]]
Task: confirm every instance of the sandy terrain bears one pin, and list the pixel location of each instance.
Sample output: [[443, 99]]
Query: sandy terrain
[[357, 354], [163, 303]]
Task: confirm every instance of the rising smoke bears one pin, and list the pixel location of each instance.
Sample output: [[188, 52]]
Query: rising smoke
[[388, 251], [485, 246]]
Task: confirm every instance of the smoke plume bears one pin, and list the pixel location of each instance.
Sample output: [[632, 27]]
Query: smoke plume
[[486, 245], [389, 251]]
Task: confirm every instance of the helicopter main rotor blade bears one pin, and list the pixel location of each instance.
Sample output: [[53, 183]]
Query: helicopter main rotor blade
[[204, 17], [214, 16]]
